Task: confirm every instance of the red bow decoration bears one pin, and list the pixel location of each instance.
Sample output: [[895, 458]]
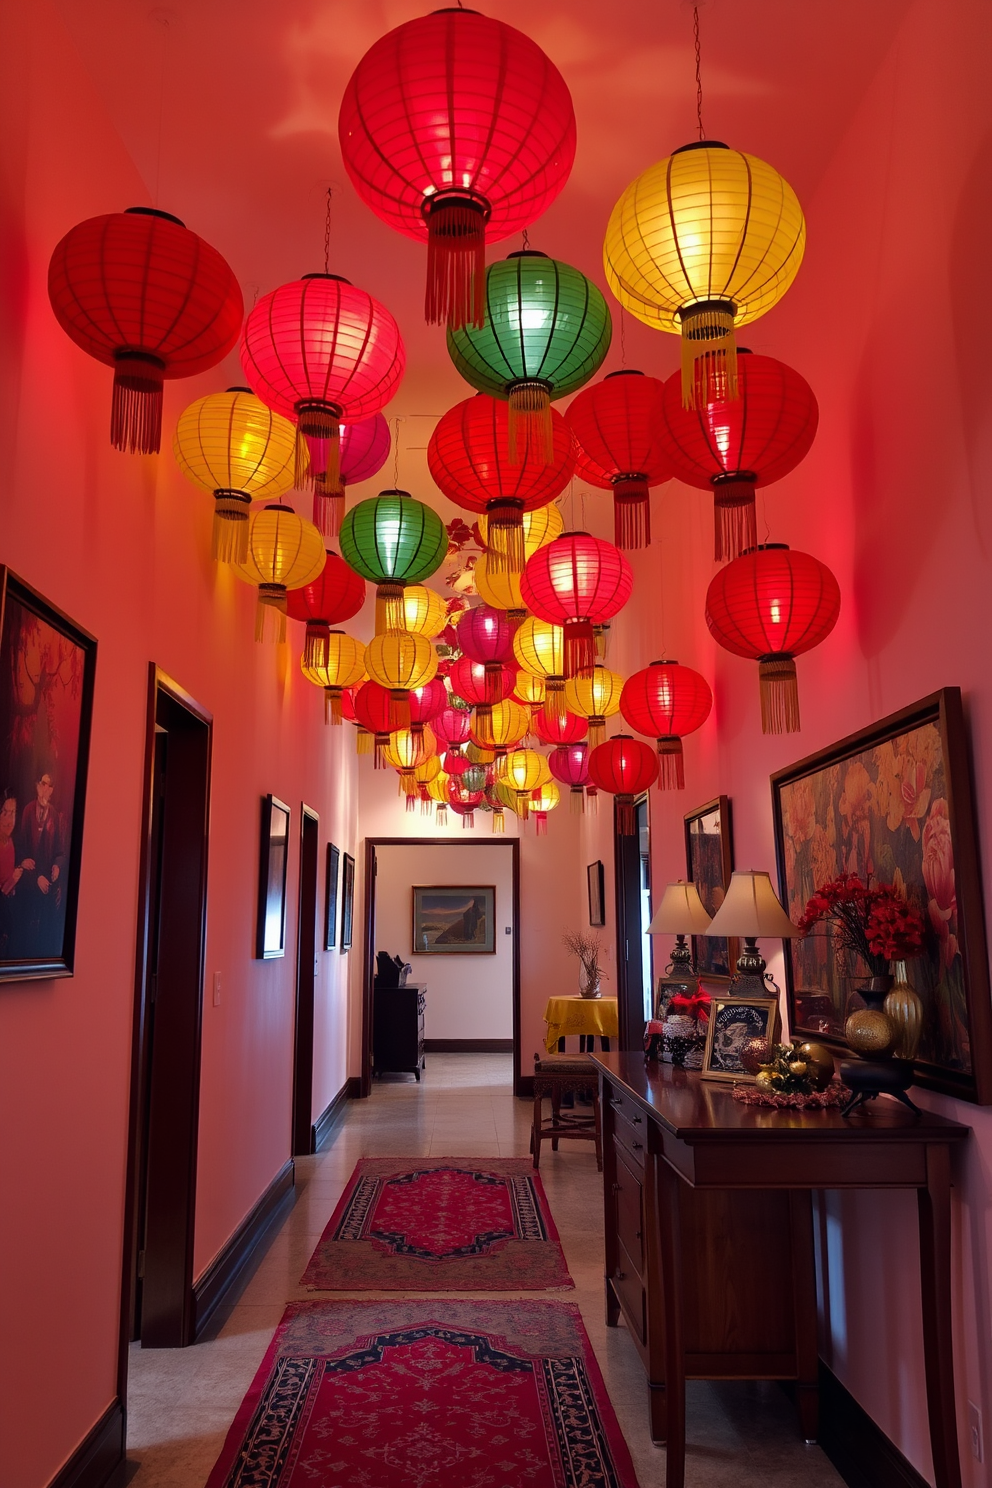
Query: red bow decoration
[[694, 1006]]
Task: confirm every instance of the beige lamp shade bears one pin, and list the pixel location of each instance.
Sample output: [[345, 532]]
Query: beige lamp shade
[[752, 908], [680, 912]]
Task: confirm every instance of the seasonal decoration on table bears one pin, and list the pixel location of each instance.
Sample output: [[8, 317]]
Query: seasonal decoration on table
[[617, 425], [653, 1040], [683, 1027], [588, 949], [667, 701], [786, 1078]]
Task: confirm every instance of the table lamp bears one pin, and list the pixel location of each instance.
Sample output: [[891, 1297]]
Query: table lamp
[[680, 913], [752, 908]]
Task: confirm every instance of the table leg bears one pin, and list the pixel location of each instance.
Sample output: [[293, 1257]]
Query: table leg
[[535, 1135], [804, 1312], [934, 1203], [670, 1237]]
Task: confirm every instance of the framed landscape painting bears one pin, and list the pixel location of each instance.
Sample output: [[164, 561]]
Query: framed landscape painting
[[454, 920], [893, 804], [709, 861]]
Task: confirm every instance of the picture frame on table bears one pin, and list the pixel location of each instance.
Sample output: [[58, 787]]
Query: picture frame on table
[[596, 883], [47, 674], [347, 900], [709, 861], [273, 863], [731, 1022], [331, 897], [454, 920], [893, 804]]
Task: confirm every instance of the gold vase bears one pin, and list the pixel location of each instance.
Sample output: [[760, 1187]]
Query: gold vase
[[869, 1031], [904, 1010]]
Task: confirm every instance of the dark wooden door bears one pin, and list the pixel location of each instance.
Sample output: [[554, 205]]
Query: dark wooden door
[[306, 963]]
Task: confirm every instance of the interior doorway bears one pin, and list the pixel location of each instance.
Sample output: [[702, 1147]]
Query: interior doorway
[[304, 1136], [632, 866], [158, 1306]]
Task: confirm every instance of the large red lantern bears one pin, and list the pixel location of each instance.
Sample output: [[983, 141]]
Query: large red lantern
[[734, 445], [452, 726], [771, 604], [485, 636], [617, 429], [667, 701], [140, 292], [321, 352], [472, 681], [457, 129], [379, 714], [425, 703], [334, 597], [569, 764], [577, 581], [469, 460], [625, 767], [558, 728]]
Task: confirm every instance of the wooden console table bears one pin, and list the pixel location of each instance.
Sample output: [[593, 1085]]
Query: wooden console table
[[709, 1237]]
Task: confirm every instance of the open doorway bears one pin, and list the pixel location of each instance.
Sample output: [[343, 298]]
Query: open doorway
[[158, 1304], [304, 1136], [632, 862]]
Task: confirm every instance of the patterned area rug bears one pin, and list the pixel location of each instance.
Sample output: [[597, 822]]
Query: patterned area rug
[[440, 1224], [427, 1394]]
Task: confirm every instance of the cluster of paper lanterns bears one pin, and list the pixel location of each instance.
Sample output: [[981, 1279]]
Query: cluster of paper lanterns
[[457, 130]]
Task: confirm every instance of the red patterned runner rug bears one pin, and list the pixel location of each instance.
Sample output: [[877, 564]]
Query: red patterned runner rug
[[440, 1224], [427, 1394]]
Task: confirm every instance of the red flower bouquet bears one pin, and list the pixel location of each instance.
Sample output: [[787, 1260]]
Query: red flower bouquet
[[872, 922]]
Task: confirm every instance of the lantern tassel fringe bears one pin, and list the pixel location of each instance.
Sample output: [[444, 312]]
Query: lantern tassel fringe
[[328, 509], [597, 730], [266, 604], [626, 826], [580, 648], [468, 821], [379, 761], [456, 265], [499, 821], [390, 613], [318, 448], [316, 645], [229, 535], [441, 814], [779, 696], [531, 433], [554, 699], [540, 824], [709, 356], [506, 551], [735, 523], [671, 761], [136, 405], [576, 801], [631, 513], [332, 706], [363, 742]]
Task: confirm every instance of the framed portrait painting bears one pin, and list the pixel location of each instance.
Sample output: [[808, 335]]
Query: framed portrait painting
[[270, 929], [709, 861], [454, 920], [47, 666], [331, 897], [347, 901], [893, 805]]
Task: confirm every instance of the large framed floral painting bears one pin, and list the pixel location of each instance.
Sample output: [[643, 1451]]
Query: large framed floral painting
[[893, 805]]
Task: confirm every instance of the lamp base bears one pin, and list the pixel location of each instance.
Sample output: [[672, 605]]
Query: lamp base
[[680, 966], [750, 978]]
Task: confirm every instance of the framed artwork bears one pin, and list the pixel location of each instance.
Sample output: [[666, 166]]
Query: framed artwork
[[595, 880], [331, 898], [270, 929], [732, 1021], [47, 667], [893, 804], [347, 900], [709, 861], [454, 920]]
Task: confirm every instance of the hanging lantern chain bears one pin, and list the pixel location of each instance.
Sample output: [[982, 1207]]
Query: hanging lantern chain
[[699, 81], [623, 339], [327, 230]]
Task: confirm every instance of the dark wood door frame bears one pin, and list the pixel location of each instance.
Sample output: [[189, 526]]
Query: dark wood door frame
[[627, 871], [306, 977], [174, 1106], [368, 965]]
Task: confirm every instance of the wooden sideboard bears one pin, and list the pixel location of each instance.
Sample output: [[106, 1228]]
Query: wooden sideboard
[[709, 1236], [398, 1028]]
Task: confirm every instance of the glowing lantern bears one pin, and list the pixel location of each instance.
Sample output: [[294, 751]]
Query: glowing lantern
[[285, 551], [404, 752], [456, 128], [477, 755], [625, 767], [530, 689], [731, 446], [470, 462], [546, 332], [500, 726], [477, 686], [523, 771], [541, 525], [337, 594], [569, 764], [544, 800], [464, 802], [499, 589], [772, 604], [700, 242], [667, 701], [617, 429], [392, 540], [595, 696], [231, 445], [423, 775], [379, 714], [141, 293], [452, 726], [485, 636], [362, 453], [423, 611], [321, 352], [540, 650], [342, 666], [427, 702], [400, 660], [577, 581], [437, 790], [555, 728]]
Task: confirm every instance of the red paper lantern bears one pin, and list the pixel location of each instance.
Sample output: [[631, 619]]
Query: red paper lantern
[[457, 129], [334, 597], [381, 711], [555, 728], [577, 581], [140, 292], [452, 726], [735, 445], [569, 764], [321, 352], [771, 604], [469, 460], [485, 636], [471, 681], [455, 764], [425, 704], [625, 767], [617, 429], [667, 701]]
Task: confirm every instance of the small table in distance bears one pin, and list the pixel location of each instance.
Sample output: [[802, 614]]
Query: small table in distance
[[589, 1017]]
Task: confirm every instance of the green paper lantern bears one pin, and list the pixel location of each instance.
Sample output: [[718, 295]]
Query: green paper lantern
[[393, 540], [546, 333]]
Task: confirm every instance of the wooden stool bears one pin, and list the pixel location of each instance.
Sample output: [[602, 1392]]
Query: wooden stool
[[557, 1075]]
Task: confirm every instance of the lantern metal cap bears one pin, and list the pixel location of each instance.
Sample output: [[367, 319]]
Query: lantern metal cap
[[624, 372], [528, 253], [681, 911], [154, 212], [701, 145], [320, 274], [751, 909], [766, 548]]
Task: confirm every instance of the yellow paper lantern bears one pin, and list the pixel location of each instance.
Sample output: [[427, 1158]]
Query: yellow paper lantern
[[499, 726], [478, 754], [233, 446], [424, 611], [400, 660], [522, 771], [428, 769], [344, 667], [285, 551], [540, 650], [596, 697], [542, 801], [540, 527], [704, 240], [500, 590], [530, 689]]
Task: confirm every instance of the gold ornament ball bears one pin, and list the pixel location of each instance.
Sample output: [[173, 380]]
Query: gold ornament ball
[[765, 1080], [797, 1067], [869, 1032], [819, 1061]]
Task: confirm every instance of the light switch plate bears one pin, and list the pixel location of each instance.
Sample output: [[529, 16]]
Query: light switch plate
[[216, 989]]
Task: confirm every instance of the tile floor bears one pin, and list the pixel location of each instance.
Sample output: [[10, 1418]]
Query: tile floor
[[181, 1401]]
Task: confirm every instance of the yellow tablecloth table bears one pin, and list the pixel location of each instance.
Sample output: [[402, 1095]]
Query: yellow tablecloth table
[[587, 1015]]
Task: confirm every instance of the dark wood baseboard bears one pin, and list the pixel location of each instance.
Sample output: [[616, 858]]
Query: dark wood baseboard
[[99, 1454], [328, 1119], [354, 1087], [226, 1267], [523, 1087], [858, 1448], [468, 1046]]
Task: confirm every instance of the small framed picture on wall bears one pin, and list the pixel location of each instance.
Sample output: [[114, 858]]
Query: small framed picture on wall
[[331, 898], [347, 900], [270, 930]]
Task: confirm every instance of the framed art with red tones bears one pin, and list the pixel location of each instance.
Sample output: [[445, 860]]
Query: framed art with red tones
[[893, 805], [47, 667]]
